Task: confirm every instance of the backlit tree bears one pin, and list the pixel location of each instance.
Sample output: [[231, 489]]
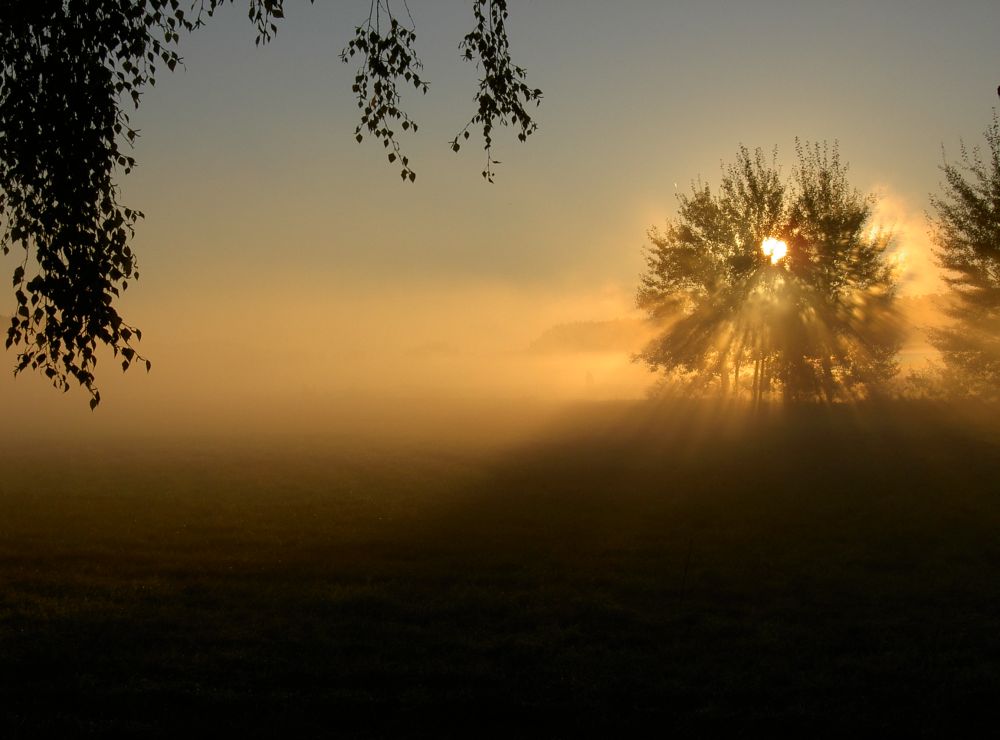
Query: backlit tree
[[768, 286], [967, 236]]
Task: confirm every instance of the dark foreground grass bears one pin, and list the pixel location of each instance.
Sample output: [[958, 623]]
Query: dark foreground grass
[[819, 571]]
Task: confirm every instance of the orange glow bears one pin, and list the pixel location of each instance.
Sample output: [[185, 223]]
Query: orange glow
[[774, 248]]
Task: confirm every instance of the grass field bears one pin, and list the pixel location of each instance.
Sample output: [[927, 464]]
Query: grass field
[[818, 570]]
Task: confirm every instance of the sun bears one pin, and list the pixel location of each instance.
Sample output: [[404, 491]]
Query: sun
[[774, 248]]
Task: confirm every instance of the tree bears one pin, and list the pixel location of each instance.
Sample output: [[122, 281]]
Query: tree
[[69, 68], [966, 234], [768, 285]]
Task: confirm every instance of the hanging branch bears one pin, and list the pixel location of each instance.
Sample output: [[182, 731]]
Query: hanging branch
[[503, 91], [68, 71], [386, 49], [64, 134]]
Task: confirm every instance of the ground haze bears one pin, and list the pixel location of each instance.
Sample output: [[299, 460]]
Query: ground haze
[[612, 564]]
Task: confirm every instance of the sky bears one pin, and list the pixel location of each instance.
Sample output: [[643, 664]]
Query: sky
[[282, 262]]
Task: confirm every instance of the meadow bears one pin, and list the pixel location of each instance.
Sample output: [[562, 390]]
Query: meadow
[[821, 570]]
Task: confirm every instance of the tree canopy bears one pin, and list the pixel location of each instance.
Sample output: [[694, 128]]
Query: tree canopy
[[69, 72], [769, 286], [966, 233]]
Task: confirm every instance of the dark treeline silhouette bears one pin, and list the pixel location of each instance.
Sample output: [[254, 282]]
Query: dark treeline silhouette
[[772, 287], [69, 69]]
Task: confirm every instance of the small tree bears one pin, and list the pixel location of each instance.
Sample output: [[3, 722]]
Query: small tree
[[966, 233], [768, 286]]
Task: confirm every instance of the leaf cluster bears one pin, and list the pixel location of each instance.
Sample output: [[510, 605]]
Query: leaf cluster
[[503, 95], [385, 47], [67, 66]]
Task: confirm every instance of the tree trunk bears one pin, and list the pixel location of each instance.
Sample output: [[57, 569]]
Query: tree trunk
[[755, 394], [764, 378], [827, 379]]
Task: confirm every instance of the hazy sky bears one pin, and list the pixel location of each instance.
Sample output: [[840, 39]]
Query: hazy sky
[[278, 256]]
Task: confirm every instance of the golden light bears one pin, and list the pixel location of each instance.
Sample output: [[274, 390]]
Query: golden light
[[774, 248]]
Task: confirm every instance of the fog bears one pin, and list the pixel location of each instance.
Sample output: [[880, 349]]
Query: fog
[[306, 356], [252, 353], [294, 351]]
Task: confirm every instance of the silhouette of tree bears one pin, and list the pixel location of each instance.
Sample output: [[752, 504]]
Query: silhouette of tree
[[69, 68], [966, 234], [767, 286]]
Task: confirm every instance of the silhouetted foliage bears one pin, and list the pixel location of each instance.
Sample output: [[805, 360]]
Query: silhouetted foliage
[[967, 238], [68, 68], [814, 324], [503, 92]]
